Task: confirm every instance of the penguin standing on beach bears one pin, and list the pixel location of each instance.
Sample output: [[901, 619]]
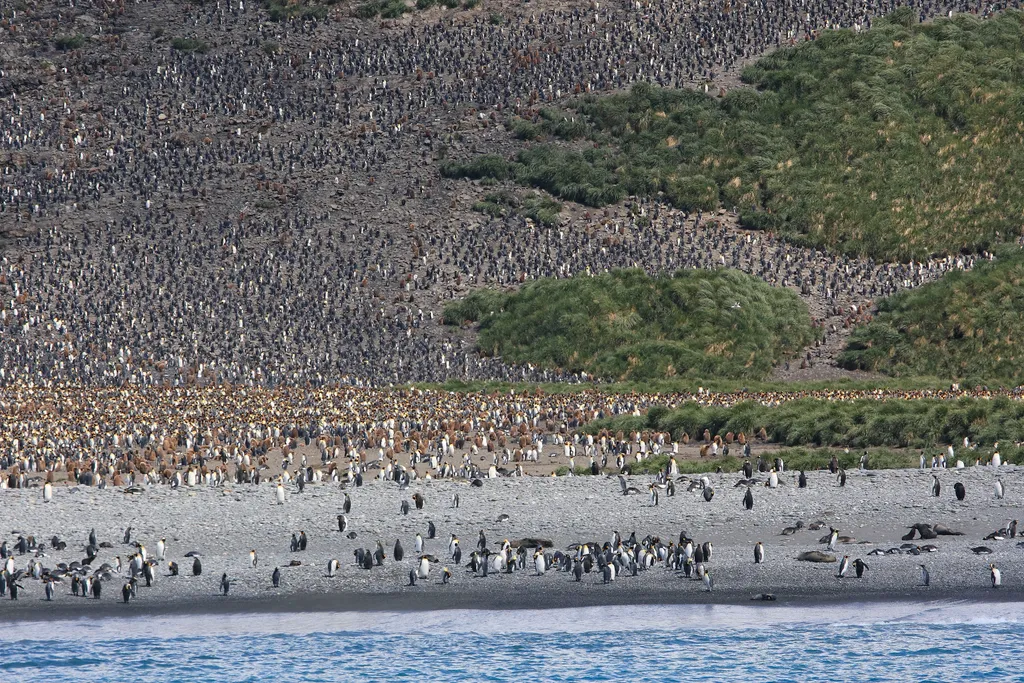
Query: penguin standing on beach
[[197, 567], [759, 553], [748, 499], [418, 544], [275, 578], [126, 592], [844, 566], [936, 486], [161, 548], [999, 489], [253, 560], [47, 492], [859, 567], [280, 493], [446, 575], [225, 583], [346, 507], [49, 591], [832, 539], [959, 490], [802, 481], [399, 552], [172, 567], [423, 571], [342, 523], [926, 578], [332, 567], [996, 576], [708, 581]]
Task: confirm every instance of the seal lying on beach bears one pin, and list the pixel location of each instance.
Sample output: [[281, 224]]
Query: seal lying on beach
[[815, 556]]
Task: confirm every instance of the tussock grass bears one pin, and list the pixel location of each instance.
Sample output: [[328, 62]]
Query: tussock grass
[[967, 325], [858, 424], [631, 326], [898, 143]]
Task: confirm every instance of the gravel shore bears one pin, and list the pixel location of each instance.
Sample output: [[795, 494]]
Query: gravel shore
[[224, 524]]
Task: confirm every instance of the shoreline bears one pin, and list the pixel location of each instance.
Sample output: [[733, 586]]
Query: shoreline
[[474, 600]]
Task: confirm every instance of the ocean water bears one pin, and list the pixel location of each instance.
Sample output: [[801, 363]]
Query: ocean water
[[872, 642]]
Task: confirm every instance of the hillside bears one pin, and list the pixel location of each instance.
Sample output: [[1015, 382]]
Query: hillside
[[628, 325], [968, 326], [899, 142]]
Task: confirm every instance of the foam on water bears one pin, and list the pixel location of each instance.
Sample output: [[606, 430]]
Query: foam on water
[[867, 642]]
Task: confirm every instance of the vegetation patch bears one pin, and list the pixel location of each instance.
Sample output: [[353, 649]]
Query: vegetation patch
[[898, 143], [189, 45], [969, 325], [863, 423], [631, 326], [538, 208], [66, 43]]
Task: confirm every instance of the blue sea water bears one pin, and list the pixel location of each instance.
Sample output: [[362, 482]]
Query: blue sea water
[[870, 642]]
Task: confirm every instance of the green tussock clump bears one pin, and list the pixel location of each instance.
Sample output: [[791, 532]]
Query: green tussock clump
[[189, 45], [967, 325], [66, 43], [628, 325], [863, 423], [898, 143], [538, 208]]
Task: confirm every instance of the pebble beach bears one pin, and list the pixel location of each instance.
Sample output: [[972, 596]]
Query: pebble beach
[[223, 524]]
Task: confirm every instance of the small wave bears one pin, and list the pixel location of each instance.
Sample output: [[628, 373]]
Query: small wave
[[48, 663]]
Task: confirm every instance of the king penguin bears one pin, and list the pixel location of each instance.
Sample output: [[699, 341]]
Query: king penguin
[[424, 568], [832, 539], [926, 578], [759, 553], [47, 492], [844, 566], [280, 493], [332, 567], [253, 560], [197, 567], [997, 577], [399, 551], [748, 499], [275, 578], [342, 523], [860, 566]]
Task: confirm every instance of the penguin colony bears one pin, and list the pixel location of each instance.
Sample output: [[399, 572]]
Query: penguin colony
[[270, 211], [135, 565]]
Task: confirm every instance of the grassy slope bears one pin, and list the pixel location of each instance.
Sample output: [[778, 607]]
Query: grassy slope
[[628, 325], [897, 143], [966, 325]]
